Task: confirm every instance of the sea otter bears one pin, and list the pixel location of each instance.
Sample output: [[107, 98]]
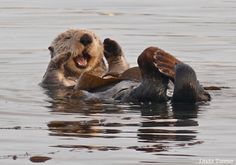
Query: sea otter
[[74, 52], [157, 67], [77, 62]]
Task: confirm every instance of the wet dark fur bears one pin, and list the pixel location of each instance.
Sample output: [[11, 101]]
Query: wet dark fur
[[187, 87], [154, 84], [153, 87]]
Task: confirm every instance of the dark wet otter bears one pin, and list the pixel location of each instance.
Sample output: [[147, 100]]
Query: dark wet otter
[[157, 68]]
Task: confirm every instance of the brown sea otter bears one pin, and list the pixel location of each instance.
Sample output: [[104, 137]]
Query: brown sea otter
[[77, 62]]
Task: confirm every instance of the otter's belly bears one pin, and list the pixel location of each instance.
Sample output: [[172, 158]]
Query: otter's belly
[[112, 91]]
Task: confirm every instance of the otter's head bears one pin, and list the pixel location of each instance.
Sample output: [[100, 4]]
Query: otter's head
[[85, 47]]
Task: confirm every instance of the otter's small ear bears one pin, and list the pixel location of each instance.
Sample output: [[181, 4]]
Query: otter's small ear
[[51, 49]]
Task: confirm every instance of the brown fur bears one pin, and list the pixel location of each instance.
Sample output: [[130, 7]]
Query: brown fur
[[64, 49]]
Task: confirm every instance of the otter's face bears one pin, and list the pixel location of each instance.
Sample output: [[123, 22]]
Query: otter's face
[[85, 47]]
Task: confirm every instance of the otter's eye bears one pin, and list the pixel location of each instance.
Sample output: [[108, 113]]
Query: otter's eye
[[67, 38]]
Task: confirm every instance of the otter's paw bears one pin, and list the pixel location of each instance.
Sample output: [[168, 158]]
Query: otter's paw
[[58, 60], [111, 48]]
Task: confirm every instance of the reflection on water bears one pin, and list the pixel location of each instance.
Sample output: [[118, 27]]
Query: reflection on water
[[178, 117], [160, 125]]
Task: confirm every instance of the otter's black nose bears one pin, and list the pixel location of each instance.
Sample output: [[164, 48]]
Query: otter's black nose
[[86, 39]]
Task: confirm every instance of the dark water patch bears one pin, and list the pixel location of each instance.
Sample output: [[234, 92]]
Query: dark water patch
[[126, 118], [13, 128], [20, 129], [39, 159], [87, 147], [94, 136], [150, 148], [181, 155], [215, 87], [92, 128], [15, 156], [167, 131], [197, 142], [154, 138], [32, 157], [178, 123], [66, 128], [147, 148]]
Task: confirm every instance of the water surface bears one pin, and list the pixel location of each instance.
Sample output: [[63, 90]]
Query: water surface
[[200, 33]]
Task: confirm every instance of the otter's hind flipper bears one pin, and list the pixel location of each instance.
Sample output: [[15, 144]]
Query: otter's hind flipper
[[187, 87], [165, 62]]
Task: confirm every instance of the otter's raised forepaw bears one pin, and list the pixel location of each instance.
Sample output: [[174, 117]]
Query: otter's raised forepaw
[[111, 48]]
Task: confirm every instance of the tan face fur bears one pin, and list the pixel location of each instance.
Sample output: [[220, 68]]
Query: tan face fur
[[85, 47]]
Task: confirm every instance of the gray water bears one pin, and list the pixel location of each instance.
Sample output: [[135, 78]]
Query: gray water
[[198, 32]]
